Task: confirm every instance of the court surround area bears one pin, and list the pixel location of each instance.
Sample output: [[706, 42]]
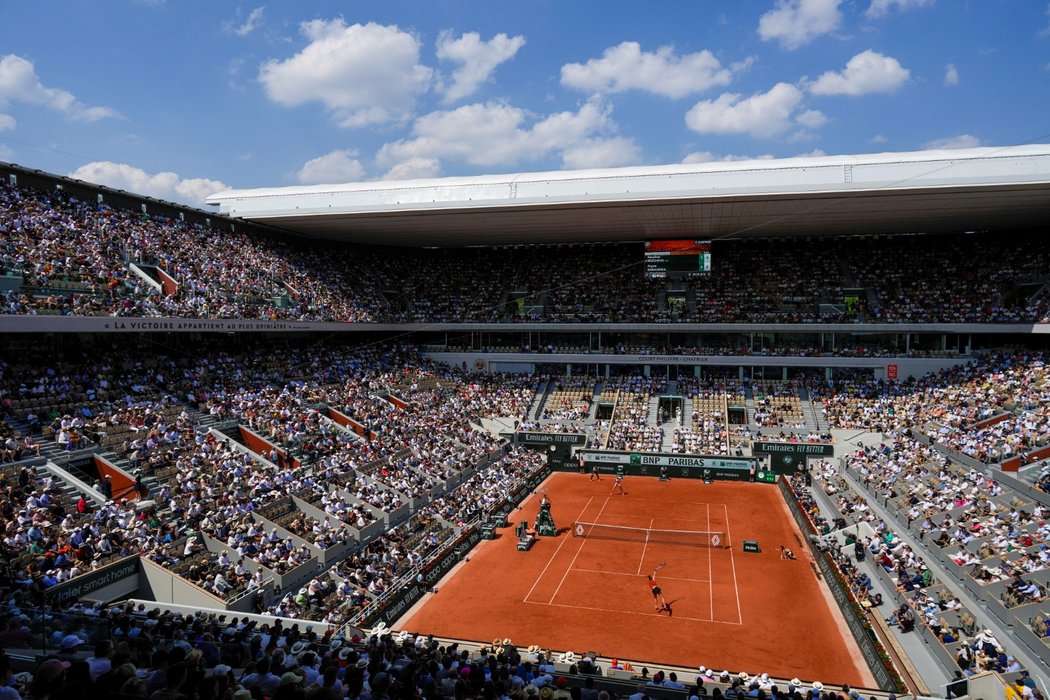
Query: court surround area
[[728, 609]]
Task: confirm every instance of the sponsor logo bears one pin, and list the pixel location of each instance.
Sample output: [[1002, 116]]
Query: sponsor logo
[[88, 583]]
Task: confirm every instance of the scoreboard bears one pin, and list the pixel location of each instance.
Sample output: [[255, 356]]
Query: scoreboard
[[676, 257]]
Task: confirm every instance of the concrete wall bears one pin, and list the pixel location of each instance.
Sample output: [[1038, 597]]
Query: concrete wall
[[158, 583], [508, 362]]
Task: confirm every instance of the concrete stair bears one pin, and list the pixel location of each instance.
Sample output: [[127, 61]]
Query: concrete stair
[[49, 449], [654, 411], [536, 409], [815, 415]]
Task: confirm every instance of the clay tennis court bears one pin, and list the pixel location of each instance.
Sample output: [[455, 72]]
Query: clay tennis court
[[730, 609]]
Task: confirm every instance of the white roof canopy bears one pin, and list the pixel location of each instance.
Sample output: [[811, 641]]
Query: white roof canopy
[[925, 191]]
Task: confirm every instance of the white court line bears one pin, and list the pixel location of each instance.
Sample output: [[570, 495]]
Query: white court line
[[736, 589], [644, 547], [573, 562], [632, 612], [551, 560], [710, 572], [628, 573]]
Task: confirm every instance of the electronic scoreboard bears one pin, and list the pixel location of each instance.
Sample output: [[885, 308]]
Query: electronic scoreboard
[[676, 257]]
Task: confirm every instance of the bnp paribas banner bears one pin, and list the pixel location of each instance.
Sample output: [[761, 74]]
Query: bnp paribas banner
[[713, 467]]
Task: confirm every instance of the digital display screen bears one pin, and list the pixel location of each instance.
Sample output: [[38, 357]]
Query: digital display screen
[[676, 257]]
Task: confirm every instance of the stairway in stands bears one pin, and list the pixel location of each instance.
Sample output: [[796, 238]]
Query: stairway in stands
[[815, 416], [536, 409], [49, 449], [653, 418], [202, 422]]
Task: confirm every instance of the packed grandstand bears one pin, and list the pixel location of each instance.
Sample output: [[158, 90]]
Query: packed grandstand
[[292, 484]]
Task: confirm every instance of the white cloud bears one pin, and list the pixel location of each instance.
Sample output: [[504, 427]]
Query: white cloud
[[1045, 31], [478, 59], [364, 74], [19, 83], [880, 8], [953, 142], [795, 23], [166, 185], [699, 157], [709, 157], [951, 75], [743, 64], [879, 138], [865, 73], [601, 153], [812, 119], [815, 153], [414, 169], [498, 134], [334, 167], [662, 72], [763, 115], [251, 23], [7, 122]]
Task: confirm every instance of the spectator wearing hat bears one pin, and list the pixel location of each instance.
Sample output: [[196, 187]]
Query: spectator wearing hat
[[290, 687], [48, 678], [69, 647]]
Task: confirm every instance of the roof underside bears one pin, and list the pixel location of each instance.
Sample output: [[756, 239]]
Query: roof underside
[[843, 195]]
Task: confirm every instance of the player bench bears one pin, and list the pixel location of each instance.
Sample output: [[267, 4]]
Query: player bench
[[525, 541]]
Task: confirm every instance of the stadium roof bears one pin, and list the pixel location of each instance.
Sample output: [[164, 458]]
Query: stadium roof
[[924, 191]]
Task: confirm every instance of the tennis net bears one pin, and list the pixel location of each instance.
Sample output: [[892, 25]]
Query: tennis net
[[693, 538]]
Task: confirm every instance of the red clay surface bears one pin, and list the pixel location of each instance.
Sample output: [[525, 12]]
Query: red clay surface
[[732, 610]]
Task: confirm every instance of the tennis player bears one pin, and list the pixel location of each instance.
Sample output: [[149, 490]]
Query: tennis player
[[618, 485], [658, 595]]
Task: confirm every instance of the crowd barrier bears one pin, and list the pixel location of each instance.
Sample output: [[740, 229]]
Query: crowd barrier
[[887, 677], [411, 587]]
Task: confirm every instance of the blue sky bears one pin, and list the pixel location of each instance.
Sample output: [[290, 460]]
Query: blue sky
[[182, 98]]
